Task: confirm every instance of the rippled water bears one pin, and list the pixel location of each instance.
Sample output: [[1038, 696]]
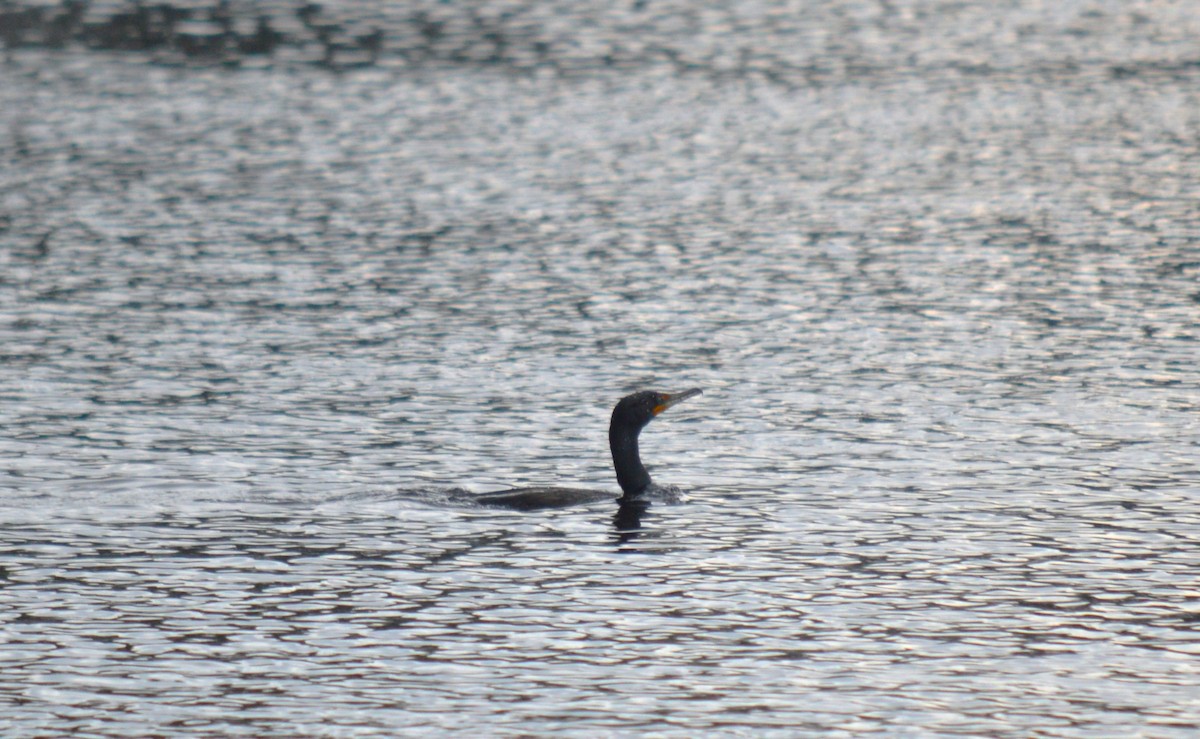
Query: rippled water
[[935, 268]]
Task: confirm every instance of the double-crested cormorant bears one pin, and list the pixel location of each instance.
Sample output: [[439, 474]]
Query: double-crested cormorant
[[629, 417]]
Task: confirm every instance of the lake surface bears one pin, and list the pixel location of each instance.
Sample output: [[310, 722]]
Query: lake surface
[[264, 327]]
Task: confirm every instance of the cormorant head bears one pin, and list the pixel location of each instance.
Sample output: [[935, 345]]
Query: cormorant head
[[632, 413], [637, 410]]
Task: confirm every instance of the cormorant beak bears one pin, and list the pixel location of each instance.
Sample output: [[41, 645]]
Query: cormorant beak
[[670, 399]]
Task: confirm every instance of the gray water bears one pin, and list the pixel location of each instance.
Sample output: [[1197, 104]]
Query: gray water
[[935, 267]]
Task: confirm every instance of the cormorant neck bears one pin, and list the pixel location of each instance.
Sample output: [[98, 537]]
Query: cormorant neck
[[631, 474]]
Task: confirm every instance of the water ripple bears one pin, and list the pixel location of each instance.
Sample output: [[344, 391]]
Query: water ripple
[[265, 330]]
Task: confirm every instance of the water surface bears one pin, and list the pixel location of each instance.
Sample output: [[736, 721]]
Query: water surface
[[935, 269]]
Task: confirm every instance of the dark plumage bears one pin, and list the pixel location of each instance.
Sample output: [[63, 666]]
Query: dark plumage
[[629, 417]]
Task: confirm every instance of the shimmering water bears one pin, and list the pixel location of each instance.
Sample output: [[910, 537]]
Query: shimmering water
[[935, 268]]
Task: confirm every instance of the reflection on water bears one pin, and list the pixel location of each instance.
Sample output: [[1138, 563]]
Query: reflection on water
[[628, 519], [882, 612], [266, 330]]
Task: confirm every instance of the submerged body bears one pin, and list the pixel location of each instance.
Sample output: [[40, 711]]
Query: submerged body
[[629, 417], [533, 499]]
